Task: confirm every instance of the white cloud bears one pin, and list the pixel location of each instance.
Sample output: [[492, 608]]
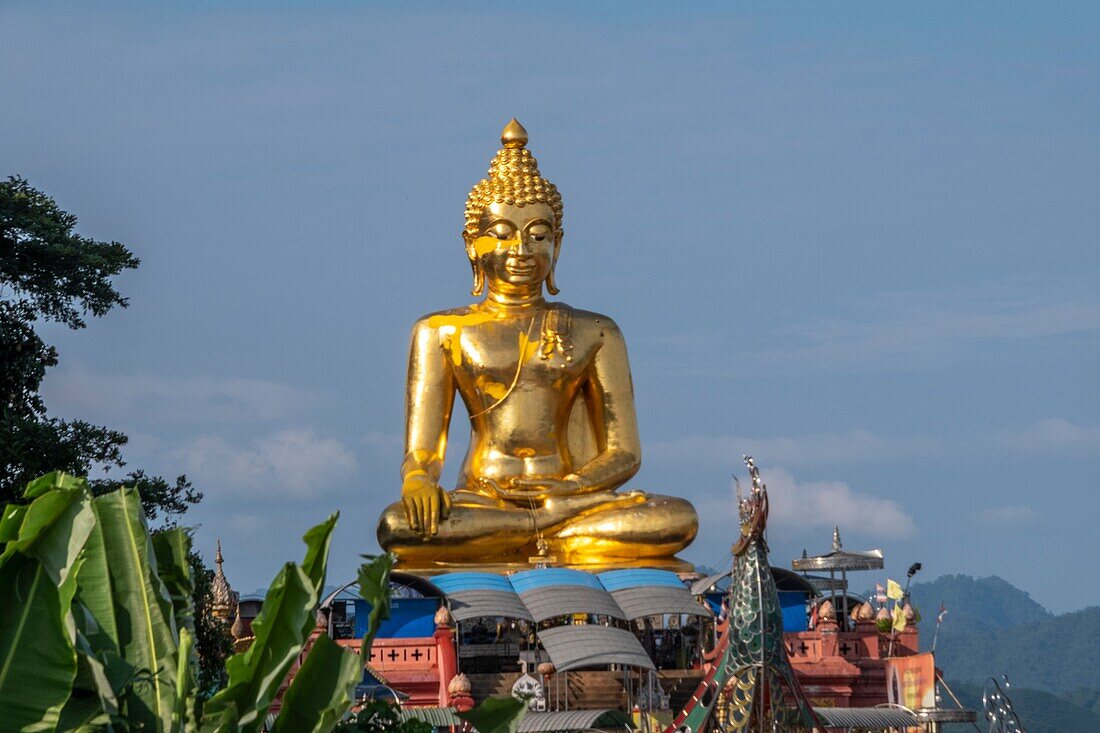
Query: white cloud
[[855, 446], [1009, 515], [289, 463], [149, 398], [1051, 434], [802, 505]]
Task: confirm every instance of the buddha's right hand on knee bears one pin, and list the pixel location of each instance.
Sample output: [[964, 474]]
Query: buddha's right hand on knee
[[425, 503]]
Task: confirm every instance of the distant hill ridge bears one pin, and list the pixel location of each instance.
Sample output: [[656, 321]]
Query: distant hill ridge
[[993, 628], [975, 604]]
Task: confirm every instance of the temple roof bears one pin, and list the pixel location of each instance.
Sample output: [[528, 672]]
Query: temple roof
[[570, 720], [592, 645], [545, 593], [840, 559], [223, 596]]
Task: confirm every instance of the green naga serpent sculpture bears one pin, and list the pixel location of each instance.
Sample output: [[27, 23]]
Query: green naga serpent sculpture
[[748, 672]]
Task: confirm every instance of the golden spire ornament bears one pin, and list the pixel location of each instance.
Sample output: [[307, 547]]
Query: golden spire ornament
[[514, 135]]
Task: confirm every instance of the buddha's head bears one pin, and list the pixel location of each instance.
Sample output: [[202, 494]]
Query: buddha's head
[[513, 222]]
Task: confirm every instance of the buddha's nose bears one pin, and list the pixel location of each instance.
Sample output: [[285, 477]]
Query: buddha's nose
[[521, 247]]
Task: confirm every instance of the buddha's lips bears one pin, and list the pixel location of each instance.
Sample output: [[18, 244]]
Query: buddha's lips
[[519, 269]]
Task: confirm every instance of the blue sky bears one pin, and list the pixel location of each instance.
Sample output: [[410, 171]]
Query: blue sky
[[859, 242]]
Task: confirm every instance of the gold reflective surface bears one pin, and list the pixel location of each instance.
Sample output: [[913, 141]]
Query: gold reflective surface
[[547, 387]]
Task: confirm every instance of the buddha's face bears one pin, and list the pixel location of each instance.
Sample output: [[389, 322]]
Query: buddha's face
[[516, 246]]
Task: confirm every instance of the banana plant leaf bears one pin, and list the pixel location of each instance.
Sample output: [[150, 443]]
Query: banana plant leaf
[[496, 715], [321, 691], [37, 660], [131, 607], [183, 713], [374, 587], [171, 547], [280, 632], [39, 565], [54, 527]]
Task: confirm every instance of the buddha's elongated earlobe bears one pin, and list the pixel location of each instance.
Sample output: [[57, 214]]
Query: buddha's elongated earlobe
[[479, 275], [551, 286], [479, 278]]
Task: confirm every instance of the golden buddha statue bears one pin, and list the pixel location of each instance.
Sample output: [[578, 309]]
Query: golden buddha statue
[[551, 405]]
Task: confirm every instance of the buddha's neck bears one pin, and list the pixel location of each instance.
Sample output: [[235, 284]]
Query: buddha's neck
[[514, 301]]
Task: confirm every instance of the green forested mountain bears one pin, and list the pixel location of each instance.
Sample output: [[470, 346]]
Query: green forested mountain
[[974, 605], [993, 628], [1040, 712], [1056, 656]]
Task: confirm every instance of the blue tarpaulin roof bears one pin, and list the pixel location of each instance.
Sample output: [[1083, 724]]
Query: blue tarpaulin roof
[[544, 578], [615, 580]]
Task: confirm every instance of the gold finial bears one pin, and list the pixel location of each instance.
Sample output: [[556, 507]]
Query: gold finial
[[218, 557], [513, 136]]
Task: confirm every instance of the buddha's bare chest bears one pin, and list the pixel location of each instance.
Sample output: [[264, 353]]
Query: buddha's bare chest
[[489, 358]]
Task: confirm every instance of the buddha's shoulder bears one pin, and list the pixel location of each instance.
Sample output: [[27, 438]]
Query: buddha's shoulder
[[462, 315], [597, 324]]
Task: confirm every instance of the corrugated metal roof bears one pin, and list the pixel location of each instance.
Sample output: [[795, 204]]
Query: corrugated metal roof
[[573, 720], [467, 604], [526, 580], [435, 717], [615, 580], [704, 585], [560, 600], [571, 647], [454, 582], [548, 592], [867, 718], [656, 600]]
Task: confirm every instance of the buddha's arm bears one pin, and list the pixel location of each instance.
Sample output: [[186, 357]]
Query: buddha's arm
[[429, 398], [610, 396]]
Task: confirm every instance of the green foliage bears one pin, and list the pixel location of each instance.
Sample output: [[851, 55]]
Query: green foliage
[[884, 625], [38, 567], [281, 631], [212, 641], [96, 629], [321, 691], [95, 625], [58, 273], [49, 273], [382, 716], [496, 715], [374, 587]]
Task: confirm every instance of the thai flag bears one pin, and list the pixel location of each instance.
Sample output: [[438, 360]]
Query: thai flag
[[880, 594]]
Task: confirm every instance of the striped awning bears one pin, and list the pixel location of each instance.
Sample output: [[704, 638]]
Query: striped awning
[[551, 592], [867, 718], [435, 717], [545, 593], [593, 645], [564, 721], [481, 595], [643, 592]]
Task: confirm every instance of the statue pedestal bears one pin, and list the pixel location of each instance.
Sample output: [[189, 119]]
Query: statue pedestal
[[672, 564]]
